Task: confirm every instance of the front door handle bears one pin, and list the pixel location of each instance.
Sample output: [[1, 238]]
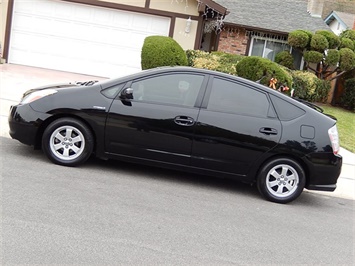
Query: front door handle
[[268, 131], [184, 121]]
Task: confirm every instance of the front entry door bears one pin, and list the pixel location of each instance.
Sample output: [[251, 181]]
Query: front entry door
[[159, 122]]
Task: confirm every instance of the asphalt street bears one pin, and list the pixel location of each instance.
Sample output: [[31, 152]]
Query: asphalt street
[[114, 213]]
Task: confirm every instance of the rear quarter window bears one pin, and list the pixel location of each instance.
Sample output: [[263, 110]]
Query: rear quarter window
[[285, 110]]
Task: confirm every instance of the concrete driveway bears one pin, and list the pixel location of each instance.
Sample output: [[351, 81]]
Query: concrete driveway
[[16, 79]]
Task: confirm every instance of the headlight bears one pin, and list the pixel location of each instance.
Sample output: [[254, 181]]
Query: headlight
[[37, 95]]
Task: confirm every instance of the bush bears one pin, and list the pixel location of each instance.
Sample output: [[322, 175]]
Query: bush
[[332, 38], [350, 34], [347, 43], [162, 51], [322, 90], [312, 57], [348, 98], [285, 59], [193, 54], [304, 84], [347, 59], [307, 86], [218, 61], [319, 43], [258, 68], [299, 39], [333, 57]]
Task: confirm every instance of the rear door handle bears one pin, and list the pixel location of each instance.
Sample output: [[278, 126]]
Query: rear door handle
[[268, 131], [184, 121]]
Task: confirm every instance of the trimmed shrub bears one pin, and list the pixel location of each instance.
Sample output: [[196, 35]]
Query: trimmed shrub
[[162, 51], [285, 59], [312, 57], [304, 84], [322, 90], [218, 61], [350, 34], [258, 68], [319, 43], [299, 39], [307, 86], [347, 43], [333, 57], [347, 59], [332, 38], [348, 98], [193, 54]]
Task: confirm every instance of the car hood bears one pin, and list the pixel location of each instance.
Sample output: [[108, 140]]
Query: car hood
[[60, 86]]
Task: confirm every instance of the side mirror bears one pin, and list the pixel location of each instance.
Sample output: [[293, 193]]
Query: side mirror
[[127, 94]]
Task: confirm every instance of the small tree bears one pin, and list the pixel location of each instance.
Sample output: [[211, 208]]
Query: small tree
[[328, 52]]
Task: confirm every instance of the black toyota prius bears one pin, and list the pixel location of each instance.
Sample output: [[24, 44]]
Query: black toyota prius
[[189, 119]]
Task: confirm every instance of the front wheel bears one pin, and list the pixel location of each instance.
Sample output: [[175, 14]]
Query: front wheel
[[67, 141], [281, 180]]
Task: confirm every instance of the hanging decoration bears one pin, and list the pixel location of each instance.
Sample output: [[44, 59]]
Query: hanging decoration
[[214, 21]]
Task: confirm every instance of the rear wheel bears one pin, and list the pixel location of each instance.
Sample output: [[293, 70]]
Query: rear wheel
[[281, 180], [67, 141]]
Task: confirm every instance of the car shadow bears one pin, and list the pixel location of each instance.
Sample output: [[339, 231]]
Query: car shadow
[[176, 177]]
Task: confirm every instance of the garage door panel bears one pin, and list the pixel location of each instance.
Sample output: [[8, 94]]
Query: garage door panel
[[80, 38]]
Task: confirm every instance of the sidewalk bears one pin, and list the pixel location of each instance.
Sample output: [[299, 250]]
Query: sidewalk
[[16, 79]]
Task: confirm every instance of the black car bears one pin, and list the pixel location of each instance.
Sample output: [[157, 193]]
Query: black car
[[188, 119]]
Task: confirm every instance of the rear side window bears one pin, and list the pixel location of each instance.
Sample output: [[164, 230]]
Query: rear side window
[[285, 110], [231, 97]]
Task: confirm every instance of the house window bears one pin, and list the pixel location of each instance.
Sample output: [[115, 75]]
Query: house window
[[269, 48]]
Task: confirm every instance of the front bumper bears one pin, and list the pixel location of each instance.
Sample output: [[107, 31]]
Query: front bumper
[[24, 123]]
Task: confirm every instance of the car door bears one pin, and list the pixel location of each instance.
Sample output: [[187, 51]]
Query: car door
[[158, 123], [236, 125]]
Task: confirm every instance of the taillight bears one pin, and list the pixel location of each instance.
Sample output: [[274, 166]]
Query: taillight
[[334, 138]]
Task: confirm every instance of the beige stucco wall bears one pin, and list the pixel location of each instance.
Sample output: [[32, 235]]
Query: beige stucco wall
[[186, 40], [188, 7], [139, 3], [3, 15]]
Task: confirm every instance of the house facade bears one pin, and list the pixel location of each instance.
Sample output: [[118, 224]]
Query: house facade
[[97, 37], [261, 27]]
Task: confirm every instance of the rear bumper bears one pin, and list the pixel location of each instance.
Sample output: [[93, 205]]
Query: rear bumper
[[325, 169], [322, 187]]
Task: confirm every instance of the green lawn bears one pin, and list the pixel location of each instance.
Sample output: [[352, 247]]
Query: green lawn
[[345, 125]]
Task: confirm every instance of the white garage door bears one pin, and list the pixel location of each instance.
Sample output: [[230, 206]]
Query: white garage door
[[80, 38]]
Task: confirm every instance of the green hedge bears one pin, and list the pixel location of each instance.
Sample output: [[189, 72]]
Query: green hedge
[[348, 98], [307, 86], [258, 68], [218, 61], [285, 59], [162, 51]]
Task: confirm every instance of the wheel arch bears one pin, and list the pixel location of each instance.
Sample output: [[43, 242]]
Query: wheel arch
[[48, 121], [282, 156]]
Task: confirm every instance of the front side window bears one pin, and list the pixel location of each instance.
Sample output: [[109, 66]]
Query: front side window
[[179, 89], [231, 97]]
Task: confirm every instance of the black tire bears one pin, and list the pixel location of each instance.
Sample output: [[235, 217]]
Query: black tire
[[281, 180], [67, 141]]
